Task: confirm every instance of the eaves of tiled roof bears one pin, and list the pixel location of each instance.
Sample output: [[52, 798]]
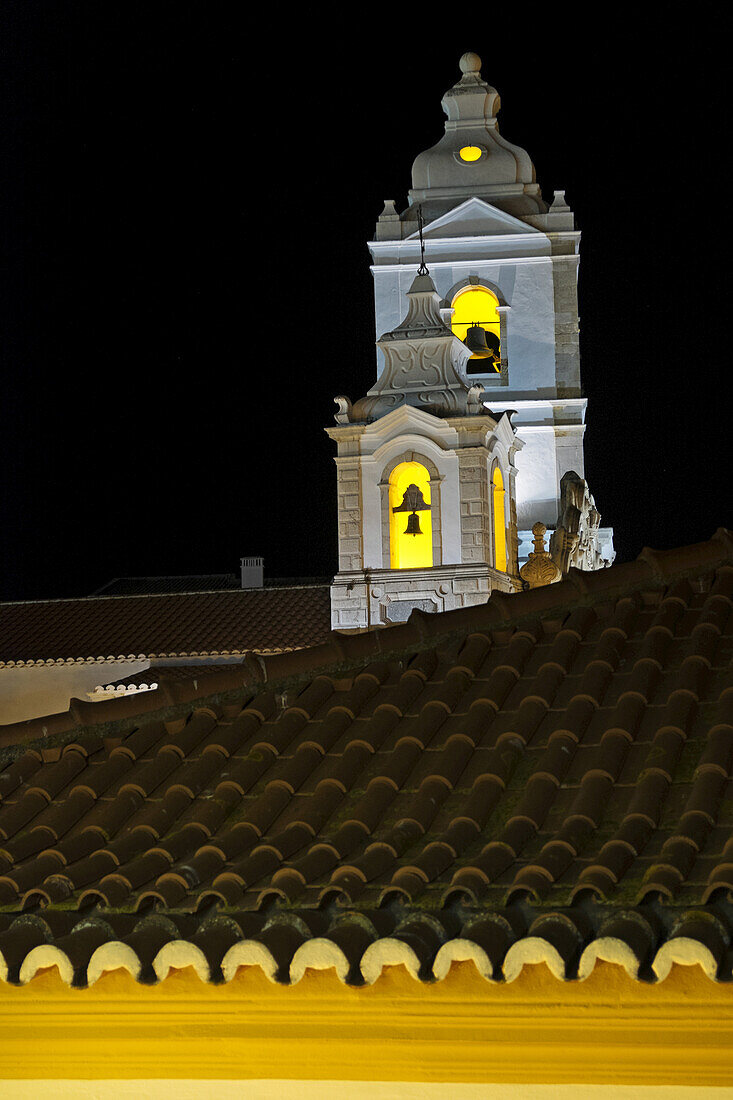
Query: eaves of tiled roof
[[188, 624], [543, 777]]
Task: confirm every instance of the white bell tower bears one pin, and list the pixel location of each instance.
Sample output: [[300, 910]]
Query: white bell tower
[[503, 261], [426, 480]]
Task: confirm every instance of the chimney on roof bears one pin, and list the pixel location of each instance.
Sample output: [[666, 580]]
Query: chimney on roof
[[252, 572]]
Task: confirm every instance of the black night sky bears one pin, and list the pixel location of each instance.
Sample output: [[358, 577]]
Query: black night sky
[[185, 200]]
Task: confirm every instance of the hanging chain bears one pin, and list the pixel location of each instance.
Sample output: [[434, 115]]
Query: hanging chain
[[423, 268]]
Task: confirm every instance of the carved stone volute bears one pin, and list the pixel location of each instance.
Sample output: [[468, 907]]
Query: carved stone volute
[[575, 541]]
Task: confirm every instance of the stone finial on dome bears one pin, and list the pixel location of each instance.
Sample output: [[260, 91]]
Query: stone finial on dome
[[471, 97], [470, 63]]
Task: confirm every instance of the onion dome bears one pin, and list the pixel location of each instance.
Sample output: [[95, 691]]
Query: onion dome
[[472, 158]]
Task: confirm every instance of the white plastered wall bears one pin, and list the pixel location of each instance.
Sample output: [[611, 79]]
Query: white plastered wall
[[525, 284], [35, 690]]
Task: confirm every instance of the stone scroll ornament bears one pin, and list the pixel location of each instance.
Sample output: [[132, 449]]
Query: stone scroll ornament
[[575, 540]]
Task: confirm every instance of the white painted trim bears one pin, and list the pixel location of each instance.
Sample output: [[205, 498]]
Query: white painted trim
[[384, 246], [550, 402], [527, 428], [540, 258]]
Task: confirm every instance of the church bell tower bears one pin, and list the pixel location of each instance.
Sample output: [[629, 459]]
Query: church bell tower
[[472, 434], [426, 478]]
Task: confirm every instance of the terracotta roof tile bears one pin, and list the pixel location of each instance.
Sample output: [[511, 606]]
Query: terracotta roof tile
[[556, 787], [173, 624]]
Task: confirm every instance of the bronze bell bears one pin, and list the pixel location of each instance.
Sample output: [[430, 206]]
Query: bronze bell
[[476, 342], [413, 525], [412, 501]]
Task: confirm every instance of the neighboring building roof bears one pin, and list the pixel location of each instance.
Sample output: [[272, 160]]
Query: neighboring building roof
[[545, 777], [177, 624]]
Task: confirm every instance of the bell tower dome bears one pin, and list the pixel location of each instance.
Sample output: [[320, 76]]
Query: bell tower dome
[[472, 158], [505, 268]]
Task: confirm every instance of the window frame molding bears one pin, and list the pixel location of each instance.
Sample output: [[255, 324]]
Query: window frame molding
[[492, 379], [494, 466], [435, 478]]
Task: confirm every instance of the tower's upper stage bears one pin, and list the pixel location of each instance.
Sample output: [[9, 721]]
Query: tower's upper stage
[[472, 158]]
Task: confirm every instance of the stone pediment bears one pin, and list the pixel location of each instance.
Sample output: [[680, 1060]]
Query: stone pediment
[[408, 420], [474, 218]]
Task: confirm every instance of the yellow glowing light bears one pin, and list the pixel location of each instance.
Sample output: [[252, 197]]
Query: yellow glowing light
[[499, 521], [474, 306], [409, 551], [470, 152]]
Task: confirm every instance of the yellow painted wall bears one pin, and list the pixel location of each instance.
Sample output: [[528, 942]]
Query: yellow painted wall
[[464, 1029]]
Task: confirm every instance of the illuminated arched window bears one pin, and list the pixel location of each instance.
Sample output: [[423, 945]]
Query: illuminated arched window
[[497, 486], [475, 305], [410, 532]]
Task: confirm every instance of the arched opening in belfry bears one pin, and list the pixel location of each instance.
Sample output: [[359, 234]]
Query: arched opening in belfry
[[475, 320], [410, 517], [498, 497]]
